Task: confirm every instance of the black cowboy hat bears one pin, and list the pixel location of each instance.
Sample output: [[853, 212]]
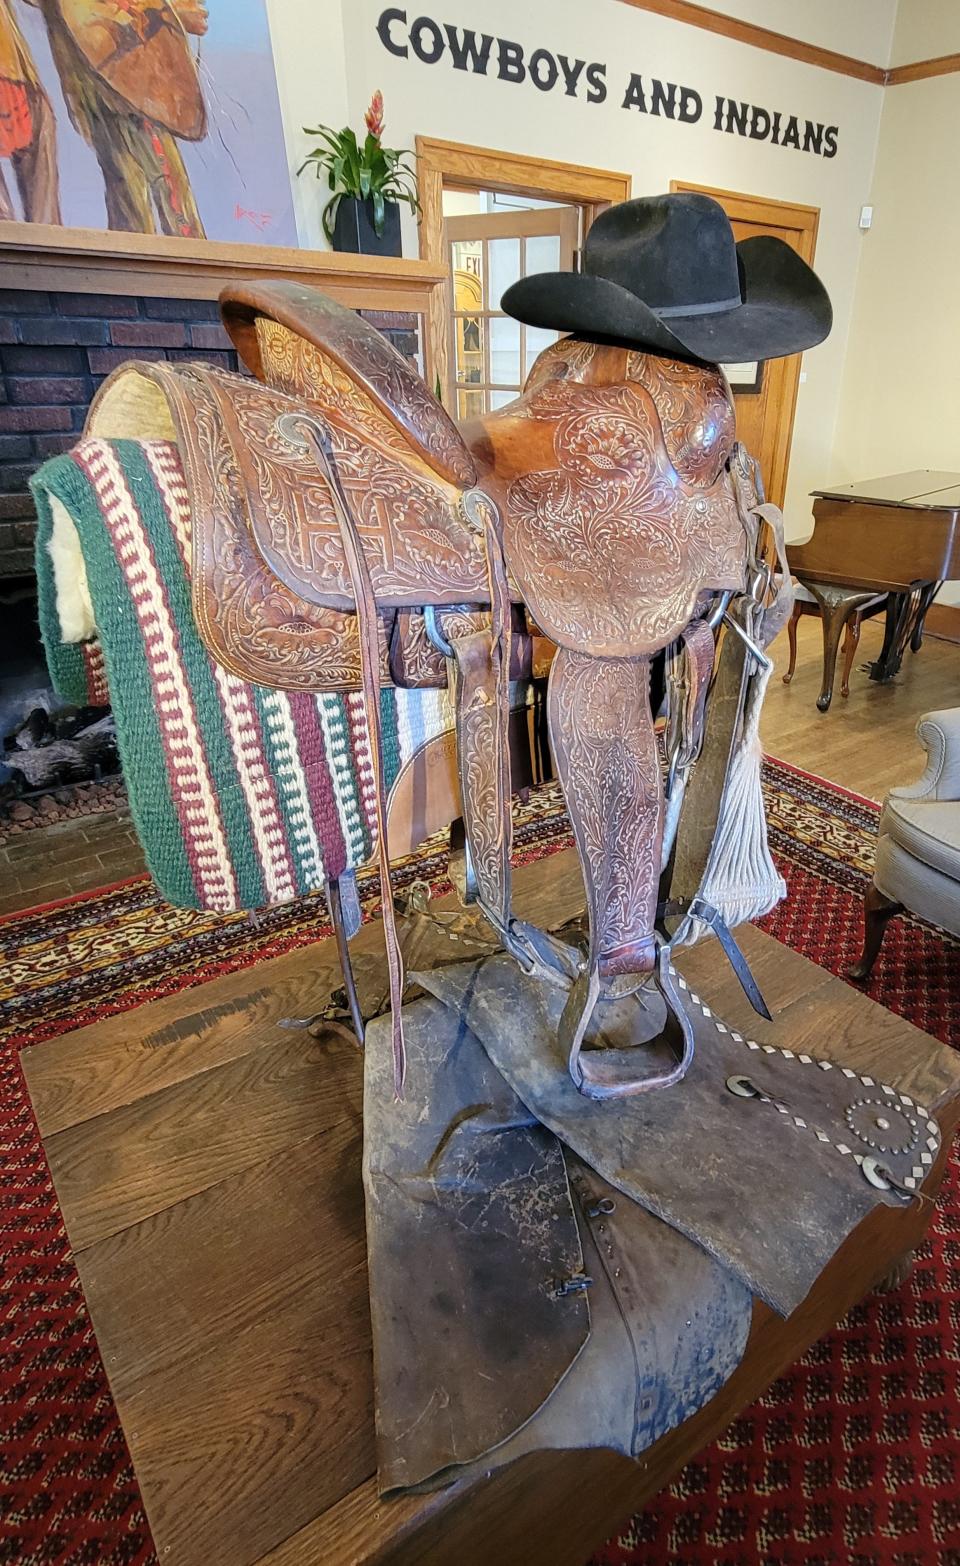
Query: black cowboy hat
[[665, 273]]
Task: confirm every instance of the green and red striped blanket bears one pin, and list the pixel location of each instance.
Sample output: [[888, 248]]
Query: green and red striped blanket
[[242, 795]]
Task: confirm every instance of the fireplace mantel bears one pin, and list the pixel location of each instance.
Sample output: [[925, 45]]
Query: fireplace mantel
[[83, 260]]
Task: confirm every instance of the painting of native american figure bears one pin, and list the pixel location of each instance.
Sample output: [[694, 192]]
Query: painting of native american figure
[[154, 116]]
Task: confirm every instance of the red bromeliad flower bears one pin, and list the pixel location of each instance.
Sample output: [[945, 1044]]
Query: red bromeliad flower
[[373, 119]]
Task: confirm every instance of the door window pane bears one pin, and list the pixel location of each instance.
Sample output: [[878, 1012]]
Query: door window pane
[[469, 404], [543, 253], [468, 330], [504, 260], [505, 367], [467, 261], [499, 399], [538, 338]]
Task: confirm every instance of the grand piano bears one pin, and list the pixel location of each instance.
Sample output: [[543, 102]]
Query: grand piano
[[899, 535]]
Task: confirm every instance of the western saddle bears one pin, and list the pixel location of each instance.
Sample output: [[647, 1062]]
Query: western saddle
[[347, 536]]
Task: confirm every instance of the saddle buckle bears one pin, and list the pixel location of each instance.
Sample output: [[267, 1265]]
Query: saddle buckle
[[577, 1284]]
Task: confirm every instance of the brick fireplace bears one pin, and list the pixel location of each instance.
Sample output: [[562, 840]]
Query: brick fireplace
[[55, 350]]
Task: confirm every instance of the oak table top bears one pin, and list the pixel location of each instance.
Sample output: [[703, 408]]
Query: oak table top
[[208, 1167]]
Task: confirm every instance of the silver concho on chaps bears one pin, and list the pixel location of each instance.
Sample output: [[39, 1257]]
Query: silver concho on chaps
[[562, 1142]]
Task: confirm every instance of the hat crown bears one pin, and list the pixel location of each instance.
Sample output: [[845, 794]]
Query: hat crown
[[673, 252]]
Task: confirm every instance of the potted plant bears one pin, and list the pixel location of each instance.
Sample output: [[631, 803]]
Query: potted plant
[[366, 182]]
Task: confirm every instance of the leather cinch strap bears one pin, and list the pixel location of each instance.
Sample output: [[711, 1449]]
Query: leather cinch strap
[[303, 429], [482, 686]]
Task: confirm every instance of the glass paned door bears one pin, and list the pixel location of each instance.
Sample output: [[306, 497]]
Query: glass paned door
[[493, 354]]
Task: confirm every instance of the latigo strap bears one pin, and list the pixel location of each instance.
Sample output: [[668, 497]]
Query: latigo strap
[[304, 430]]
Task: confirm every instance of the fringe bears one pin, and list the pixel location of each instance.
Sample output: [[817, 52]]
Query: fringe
[[741, 880]]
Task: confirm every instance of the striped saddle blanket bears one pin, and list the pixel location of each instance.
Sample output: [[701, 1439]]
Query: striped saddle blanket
[[243, 796]]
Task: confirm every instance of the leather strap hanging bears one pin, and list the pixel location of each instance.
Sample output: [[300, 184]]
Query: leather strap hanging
[[308, 432], [482, 663]]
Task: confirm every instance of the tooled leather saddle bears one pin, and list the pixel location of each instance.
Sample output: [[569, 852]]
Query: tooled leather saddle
[[347, 535]]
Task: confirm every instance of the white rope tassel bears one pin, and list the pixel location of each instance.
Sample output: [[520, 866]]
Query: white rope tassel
[[741, 880]]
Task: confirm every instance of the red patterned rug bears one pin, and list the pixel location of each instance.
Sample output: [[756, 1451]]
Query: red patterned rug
[[852, 1459]]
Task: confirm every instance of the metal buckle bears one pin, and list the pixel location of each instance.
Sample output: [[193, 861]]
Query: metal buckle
[[575, 1285], [748, 641], [435, 636], [698, 908]]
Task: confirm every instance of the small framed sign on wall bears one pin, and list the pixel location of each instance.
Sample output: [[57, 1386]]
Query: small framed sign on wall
[[744, 378]]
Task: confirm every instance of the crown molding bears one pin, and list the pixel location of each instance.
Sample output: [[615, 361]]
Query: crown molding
[[757, 37], [762, 38], [919, 70]]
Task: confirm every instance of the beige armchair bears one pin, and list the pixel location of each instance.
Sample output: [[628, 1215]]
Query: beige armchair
[[918, 849]]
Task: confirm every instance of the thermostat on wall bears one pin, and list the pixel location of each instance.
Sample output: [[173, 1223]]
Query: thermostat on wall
[[866, 217]]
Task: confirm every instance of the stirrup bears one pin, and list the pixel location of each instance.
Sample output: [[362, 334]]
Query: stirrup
[[611, 1073]]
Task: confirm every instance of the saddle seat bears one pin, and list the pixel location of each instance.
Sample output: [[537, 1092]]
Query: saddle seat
[[618, 514]]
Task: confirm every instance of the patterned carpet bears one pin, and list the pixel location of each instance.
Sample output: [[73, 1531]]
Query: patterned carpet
[[853, 1459]]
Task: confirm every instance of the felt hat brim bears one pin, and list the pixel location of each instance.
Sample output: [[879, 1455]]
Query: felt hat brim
[[784, 308]]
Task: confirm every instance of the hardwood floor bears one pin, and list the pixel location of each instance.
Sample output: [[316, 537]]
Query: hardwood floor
[[866, 742], [50, 862]]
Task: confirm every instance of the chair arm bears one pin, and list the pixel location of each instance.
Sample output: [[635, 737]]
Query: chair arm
[[939, 734]]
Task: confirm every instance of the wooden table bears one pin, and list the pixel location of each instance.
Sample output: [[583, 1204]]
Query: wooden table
[[208, 1167], [900, 535]]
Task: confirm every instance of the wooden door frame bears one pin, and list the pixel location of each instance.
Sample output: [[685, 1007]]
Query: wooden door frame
[[789, 214], [456, 165]]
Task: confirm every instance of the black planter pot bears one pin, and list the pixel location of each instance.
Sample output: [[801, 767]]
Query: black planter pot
[[353, 228]]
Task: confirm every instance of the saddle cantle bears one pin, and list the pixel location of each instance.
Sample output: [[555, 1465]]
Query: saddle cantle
[[347, 535]]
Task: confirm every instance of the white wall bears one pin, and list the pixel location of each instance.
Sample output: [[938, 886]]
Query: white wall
[[925, 29], [439, 101], [310, 60], [900, 393], [862, 28]]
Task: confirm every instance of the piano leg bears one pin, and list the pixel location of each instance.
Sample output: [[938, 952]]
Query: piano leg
[[906, 613], [836, 606], [851, 642]]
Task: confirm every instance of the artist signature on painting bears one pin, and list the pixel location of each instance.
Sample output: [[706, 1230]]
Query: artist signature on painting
[[259, 220]]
